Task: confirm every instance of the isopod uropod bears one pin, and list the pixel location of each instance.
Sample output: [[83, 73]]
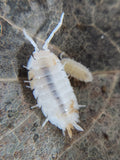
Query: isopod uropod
[[51, 87]]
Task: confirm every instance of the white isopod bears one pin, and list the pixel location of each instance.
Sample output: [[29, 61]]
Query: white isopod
[[51, 87]]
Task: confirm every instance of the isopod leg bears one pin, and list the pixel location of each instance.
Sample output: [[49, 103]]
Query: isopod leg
[[77, 127], [44, 123], [36, 106], [26, 81], [63, 55], [28, 87], [25, 67], [81, 106]]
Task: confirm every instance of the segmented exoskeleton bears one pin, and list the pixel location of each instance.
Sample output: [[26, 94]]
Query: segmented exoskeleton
[[51, 87]]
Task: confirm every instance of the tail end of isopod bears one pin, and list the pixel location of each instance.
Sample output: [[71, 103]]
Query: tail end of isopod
[[69, 129], [78, 127]]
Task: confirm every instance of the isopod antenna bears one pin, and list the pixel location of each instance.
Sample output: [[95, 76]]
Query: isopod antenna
[[45, 46], [31, 41]]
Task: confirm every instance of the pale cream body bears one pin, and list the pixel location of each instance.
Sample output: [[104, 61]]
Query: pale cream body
[[77, 70], [51, 86], [53, 90]]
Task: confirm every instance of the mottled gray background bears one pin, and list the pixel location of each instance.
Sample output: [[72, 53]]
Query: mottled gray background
[[91, 35]]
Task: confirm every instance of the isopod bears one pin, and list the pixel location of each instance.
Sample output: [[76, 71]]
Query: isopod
[[51, 87]]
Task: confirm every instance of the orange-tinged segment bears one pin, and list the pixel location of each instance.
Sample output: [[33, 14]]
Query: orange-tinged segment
[[71, 108], [69, 130]]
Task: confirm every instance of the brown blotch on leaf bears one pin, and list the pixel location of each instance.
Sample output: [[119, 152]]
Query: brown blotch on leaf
[[104, 89], [105, 136]]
